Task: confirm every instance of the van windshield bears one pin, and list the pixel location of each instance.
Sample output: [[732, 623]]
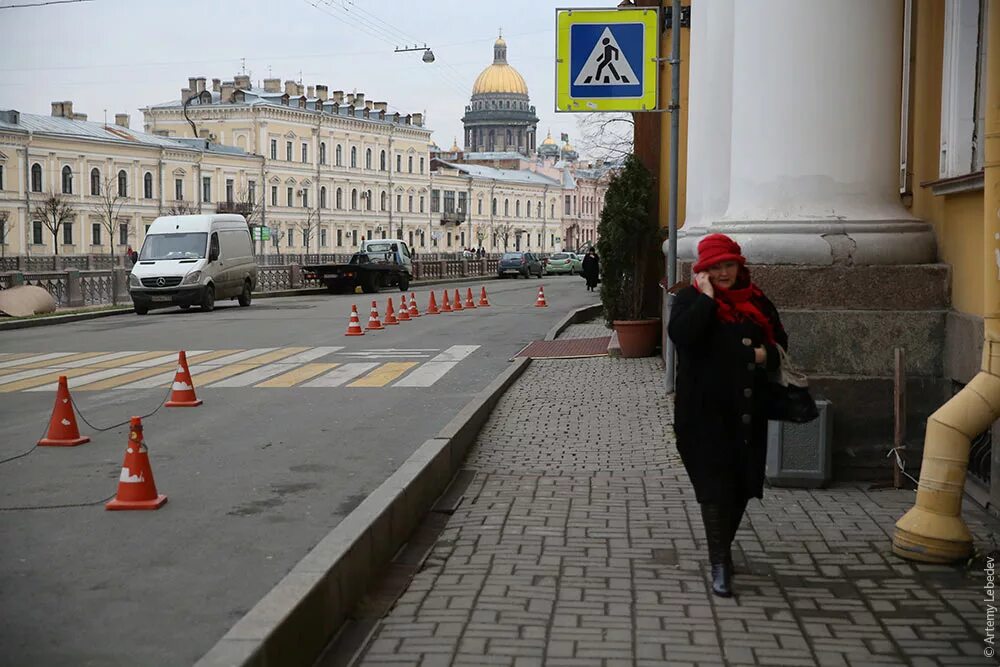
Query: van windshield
[[189, 245], [378, 247]]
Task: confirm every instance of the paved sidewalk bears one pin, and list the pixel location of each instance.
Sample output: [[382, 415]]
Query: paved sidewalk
[[580, 543]]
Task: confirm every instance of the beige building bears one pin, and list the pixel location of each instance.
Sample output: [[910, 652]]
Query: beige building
[[82, 161]]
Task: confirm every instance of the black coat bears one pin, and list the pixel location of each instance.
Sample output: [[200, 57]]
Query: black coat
[[590, 269], [719, 409]]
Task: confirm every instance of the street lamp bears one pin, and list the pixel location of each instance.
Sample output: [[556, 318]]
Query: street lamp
[[428, 56]]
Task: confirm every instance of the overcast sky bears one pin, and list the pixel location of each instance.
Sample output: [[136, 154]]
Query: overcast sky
[[120, 55]]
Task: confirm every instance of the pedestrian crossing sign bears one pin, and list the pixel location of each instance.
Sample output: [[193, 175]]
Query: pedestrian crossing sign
[[606, 60]]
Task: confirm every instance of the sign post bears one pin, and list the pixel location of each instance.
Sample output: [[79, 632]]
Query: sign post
[[607, 59]]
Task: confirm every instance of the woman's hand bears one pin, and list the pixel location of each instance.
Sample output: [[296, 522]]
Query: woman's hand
[[760, 355], [704, 284]]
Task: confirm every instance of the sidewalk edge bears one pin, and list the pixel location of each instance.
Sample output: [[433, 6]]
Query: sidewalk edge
[[574, 317], [294, 621]]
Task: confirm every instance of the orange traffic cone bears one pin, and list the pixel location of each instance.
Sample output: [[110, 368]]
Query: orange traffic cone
[[483, 301], [469, 302], [413, 305], [390, 314], [458, 302], [354, 327], [432, 306], [182, 391], [62, 426], [404, 311], [374, 323], [540, 301], [445, 306], [136, 488]]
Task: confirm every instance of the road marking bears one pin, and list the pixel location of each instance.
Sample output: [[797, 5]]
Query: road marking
[[205, 377], [37, 377], [456, 353], [239, 356], [10, 356], [435, 369], [256, 375], [132, 361], [341, 375], [384, 375], [300, 374], [89, 377], [312, 354], [384, 355], [49, 363], [152, 378], [110, 356], [34, 358]]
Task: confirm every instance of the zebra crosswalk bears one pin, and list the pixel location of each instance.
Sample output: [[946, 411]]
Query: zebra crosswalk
[[259, 368]]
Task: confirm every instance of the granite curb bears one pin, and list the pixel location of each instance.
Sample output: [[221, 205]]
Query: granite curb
[[577, 316], [293, 623]]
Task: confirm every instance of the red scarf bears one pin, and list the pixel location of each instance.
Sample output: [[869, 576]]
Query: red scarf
[[739, 304]]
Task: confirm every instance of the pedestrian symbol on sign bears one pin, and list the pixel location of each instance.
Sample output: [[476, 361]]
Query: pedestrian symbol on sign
[[605, 65]]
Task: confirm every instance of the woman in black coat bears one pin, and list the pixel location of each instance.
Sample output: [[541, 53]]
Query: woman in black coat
[[590, 269], [726, 332]]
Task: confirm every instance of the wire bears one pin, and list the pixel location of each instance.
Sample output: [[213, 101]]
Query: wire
[[901, 464], [42, 4], [119, 425], [58, 507]]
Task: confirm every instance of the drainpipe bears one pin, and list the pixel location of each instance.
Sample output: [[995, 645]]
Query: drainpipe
[[27, 196], [933, 530]]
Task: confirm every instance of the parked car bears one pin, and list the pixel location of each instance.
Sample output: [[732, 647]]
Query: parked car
[[519, 264], [560, 262], [577, 262]]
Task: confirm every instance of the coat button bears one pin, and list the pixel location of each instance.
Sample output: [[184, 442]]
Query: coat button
[[748, 392], [747, 342], [746, 419]]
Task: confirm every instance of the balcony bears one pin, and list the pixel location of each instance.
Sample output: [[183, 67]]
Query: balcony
[[453, 218], [242, 208]]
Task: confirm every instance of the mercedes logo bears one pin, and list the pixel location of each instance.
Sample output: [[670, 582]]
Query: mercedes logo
[[160, 282]]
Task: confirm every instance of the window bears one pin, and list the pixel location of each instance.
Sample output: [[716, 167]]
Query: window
[[517, 209], [527, 209], [506, 208], [449, 239], [291, 237], [95, 181], [421, 203], [67, 181], [340, 200], [274, 195], [462, 202], [305, 198], [123, 233], [3, 232], [1, 181], [421, 165], [36, 232], [206, 189], [322, 152], [383, 199], [288, 151], [354, 237], [178, 189], [409, 162], [305, 152], [368, 200], [493, 207], [354, 199], [399, 202], [449, 201], [340, 237], [339, 156], [399, 163], [229, 191], [552, 210], [95, 234], [368, 158], [67, 230], [410, 203], [147, 186], [479, 208], [36, 177], [322, 237], [322, 198], [567, 205], [252, 191], [435, 201], [963, 88], [289, 198], [354, 157], [274, 149], [122, 184], [539, 239], [381, 161]]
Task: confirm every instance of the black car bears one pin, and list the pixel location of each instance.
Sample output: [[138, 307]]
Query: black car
[[520, 264]]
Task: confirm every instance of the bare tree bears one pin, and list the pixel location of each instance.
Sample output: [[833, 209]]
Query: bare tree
[[53, 212], [504, 231], [276, 235], [606, 136], [108, 209], [309, 226], [181, 208], [480, 235], [4, 217]]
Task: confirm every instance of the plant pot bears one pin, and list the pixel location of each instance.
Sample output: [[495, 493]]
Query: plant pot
[[637, 338]]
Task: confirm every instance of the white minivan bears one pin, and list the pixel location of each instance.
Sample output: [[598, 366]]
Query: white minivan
[[194, 260]]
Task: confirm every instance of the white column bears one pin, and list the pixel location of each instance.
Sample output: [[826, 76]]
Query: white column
[[815, 135], [710, 101]]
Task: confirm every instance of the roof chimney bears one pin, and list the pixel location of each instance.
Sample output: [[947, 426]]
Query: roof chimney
[[228, 88], [321, 92], [57, 109], [338, 96], [199, 84], [310, 92], [193, 83], [381, 106], [418, 119], [290, 88], [216, 85], [300, 90], [349, 98], [359, 99], [242, 81], [186, 94], [369, 105], [272, 85], [121, 119]]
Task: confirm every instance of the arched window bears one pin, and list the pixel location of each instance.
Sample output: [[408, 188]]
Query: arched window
[[368, 158], [381, 161], [322, 152], [506, 208], [510, 138], [494, 208], [409, 161], [339, 155], [491, 143], [538, 210], [517, 209], [95, 181], [322, 197], [36, 177], [527, 209], [383, 199], [368, 200], [399, 163], [67, 180], [354, 156], [340, 198], [122, 184], [354, 199], [147, 186]]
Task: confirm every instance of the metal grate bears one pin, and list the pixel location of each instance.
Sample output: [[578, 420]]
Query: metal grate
[[168, 281]]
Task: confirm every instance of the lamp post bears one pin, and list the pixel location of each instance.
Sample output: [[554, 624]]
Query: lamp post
[[428, 56]]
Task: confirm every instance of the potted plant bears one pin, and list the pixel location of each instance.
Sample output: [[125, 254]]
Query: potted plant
[[628, 235]]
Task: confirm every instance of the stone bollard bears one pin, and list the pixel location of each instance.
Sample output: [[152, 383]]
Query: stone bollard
[[16, 277], [295, 276], [119, 284], [417, 270], [74, 289], [90, 262], [443, 268], [22, 263]]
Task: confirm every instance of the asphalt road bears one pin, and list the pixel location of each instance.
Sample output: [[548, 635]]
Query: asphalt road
[[255, 477]]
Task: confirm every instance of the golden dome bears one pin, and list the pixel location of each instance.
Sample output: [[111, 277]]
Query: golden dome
[[454, 146], [500, 77], [568, 148], [549, 141]]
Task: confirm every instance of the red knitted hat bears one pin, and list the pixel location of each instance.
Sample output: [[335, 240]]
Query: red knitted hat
[[715, 249]]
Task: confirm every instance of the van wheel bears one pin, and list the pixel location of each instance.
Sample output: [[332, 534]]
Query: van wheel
[[369, 284], [208, 299], [404, 283], [140, 310], [246, 295]]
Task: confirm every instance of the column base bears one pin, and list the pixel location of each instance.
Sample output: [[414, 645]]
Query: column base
[[822, 243]]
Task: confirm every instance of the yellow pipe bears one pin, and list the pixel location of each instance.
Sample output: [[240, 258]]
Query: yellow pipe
[[933, 530]]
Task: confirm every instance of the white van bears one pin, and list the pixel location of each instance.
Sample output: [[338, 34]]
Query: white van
[[193, 260]]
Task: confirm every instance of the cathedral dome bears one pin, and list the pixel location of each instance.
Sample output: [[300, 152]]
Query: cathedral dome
[[549, 141], [500, 77]]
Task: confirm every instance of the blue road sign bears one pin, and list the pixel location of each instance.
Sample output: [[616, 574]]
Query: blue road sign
[[606, 60]]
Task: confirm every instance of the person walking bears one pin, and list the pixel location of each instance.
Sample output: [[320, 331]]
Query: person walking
[[590, 268], [726, 332]]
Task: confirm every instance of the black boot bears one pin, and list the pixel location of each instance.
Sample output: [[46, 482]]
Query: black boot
[[717, 529], [736, 512]]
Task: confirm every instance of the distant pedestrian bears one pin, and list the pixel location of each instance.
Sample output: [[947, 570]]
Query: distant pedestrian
[[591, 269], [726, 332]]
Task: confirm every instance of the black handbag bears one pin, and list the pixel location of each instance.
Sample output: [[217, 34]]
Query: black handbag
[[788, 397]]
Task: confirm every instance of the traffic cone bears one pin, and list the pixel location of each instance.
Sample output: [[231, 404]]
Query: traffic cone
[[404, 311], [445, 306], [182, 391], [136, 488], [390, 314], [354, 327], [469, 301], [483, 301], [413, 305], [62, 426], [540, 301], [432, 306], [458, 302], [374, 323]]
